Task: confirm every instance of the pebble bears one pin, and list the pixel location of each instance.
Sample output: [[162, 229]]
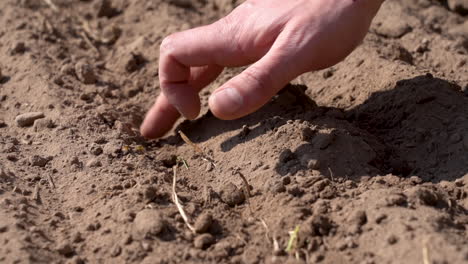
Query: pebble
[[27, 119], [85, 73], [359, 217], [134, 62], [232, 195], [42, 124], [148, 223], [423, 195], [395, 199], [276, 186], [203, 241], [203, 222], [116, 251], [92, 163], [394, 28], [96, 150], [39, 161]]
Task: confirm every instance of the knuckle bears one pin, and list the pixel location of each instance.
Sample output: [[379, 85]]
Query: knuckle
[[260, 78], [231, 28]]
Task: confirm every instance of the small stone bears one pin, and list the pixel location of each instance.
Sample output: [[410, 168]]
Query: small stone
[[27, 119], [42, 124], [116, 251], [423, 195], [148, 223], [203, 222], [395, 199], [39, 161], [232, 195], [328, 73], [134, 62], [313, 164], [276, 186], [2, 123], [85, 73], [96, 150], [359, 217], [394, 28], [203, 241], [92, 163]]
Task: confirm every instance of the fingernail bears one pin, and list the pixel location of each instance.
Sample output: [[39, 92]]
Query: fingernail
[[228, 99]]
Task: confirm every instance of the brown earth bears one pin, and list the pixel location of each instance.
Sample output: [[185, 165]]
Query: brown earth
[[372, 166]]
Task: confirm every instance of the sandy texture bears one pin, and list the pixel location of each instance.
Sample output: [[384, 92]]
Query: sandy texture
[[368, 159]]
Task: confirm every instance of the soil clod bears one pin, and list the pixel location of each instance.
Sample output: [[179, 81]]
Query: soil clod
[[27, 119]]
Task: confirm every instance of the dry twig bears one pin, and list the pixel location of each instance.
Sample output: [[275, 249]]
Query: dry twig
[[196, 148], [51, 181], [246, 188], [36, 194], [176, 201], [425, 253]]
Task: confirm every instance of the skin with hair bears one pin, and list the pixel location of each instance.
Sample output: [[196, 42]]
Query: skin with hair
[[279, 39]]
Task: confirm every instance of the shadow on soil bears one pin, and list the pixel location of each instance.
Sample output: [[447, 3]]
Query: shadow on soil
[[419, 127]]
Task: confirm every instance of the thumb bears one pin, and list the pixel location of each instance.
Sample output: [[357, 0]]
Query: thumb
[[254, 87]]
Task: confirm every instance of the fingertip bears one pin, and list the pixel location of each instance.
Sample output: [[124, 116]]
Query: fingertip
[[159, 119], [226, 103]]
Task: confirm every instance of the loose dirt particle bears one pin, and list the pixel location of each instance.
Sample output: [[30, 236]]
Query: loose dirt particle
[[18, 48], [27, 119], [150, 193], [66, 249], [148, 223], [459, 6], [203, 222], [96, 150], [39, 161], [203, 241], [422, 195], [392, 239], [85, 73], [232, 195]]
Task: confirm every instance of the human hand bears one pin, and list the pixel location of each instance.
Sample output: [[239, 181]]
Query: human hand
[[280, 39]]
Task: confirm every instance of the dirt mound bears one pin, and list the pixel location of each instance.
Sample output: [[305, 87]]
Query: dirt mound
[[361, 163]]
